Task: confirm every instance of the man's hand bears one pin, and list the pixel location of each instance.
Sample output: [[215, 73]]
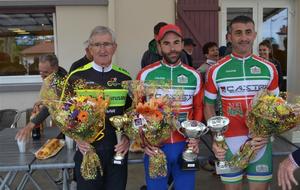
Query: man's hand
[[219, 151], [83, 146], [259, 142], [285, 174], [194, 144], [25, 132], [123, 146], [151, 150]]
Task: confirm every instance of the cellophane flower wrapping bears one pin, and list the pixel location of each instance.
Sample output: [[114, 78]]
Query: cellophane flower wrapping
[[154, 114], [81, 117], [269, 115]]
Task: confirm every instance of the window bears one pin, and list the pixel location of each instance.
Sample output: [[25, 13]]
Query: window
[[25, 34]]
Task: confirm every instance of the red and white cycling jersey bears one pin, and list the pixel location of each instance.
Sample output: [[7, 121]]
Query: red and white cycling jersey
[[237, 80]]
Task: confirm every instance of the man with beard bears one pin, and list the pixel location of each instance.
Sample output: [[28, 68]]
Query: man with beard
[[171, 68], [237, 78]]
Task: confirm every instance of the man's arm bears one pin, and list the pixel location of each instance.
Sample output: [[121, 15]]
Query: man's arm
[[25, 132], [41, 116], [209, 110], [198, 102], [273, 86]]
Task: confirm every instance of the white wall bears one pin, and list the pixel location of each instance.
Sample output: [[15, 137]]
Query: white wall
[[74, 24], [18, 100], [134, 21]]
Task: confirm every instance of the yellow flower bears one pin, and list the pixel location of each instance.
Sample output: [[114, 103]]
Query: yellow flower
[[81, 98]]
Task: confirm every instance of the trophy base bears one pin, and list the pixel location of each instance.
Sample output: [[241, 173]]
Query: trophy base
[[225, 169], [190, 165], [118, 162]]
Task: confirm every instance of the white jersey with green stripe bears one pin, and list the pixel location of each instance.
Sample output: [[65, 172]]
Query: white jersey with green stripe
[[184, 77], [237, 80]]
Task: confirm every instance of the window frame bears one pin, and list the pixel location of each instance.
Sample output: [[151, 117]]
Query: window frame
[[25, 82]]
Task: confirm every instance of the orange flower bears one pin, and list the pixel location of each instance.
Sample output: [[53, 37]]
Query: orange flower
[[82, 116], [158, 116], [146, 109], [280, 100], [100, 99], [139, 107]]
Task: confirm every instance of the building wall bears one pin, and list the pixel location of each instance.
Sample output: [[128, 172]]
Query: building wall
[[134, 26], [73, 26], [132, 20]]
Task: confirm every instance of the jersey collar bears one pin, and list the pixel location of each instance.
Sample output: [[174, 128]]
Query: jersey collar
[[163, 61], [100, 68], [210, 61], [240, 57]]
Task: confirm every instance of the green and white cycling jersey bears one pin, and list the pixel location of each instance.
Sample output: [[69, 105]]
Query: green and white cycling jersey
[[183, 77], [237, 80]]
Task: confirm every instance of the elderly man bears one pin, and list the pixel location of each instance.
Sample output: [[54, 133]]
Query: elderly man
[[101, 71]]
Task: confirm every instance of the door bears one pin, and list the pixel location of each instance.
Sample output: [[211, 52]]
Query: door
[[199, 20], [273, 22]]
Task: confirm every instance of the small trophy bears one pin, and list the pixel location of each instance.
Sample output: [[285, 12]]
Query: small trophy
[[191, 129], [218, 125], [118, 123]]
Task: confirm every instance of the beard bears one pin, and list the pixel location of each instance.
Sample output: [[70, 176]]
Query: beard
[[169, 58]]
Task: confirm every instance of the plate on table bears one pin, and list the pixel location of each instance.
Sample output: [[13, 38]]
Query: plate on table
[[49, 149]]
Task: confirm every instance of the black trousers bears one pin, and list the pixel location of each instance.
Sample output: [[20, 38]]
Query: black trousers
[[114, 176]]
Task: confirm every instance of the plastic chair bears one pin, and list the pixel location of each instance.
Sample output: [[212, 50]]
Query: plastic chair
[[21, 118], [7, 117]]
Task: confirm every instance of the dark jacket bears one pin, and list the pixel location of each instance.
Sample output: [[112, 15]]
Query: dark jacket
[[279, 70], [79, 63]]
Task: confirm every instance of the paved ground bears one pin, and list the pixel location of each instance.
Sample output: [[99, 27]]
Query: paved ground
[[204, 180]]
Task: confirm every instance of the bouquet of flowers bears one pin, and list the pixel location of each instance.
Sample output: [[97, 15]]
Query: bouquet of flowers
[[154, 114], [79, 117], [269, 115]]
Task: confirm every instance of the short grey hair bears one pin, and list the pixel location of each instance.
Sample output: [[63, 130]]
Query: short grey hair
[[51, 58], [86, 43], [102, 30]]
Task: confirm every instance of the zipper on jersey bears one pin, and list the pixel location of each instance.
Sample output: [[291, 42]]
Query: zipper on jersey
[[172, 140], [102, 74], [244, 78]]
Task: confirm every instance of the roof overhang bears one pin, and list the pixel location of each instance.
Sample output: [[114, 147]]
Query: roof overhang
[[52, 2]]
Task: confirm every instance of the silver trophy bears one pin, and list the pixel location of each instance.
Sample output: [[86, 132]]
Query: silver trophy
[[118, 123], [218, 125], [191, 129]]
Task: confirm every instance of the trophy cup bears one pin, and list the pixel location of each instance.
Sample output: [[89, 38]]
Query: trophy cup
[[191, 129], [118, 123], [218, 125]]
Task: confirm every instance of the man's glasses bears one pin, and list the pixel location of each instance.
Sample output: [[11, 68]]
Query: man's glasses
[[105, 45]]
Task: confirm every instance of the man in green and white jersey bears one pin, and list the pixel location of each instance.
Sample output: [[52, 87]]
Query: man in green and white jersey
[[237, 78]]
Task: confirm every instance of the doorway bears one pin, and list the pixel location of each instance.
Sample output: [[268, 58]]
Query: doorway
[[272, 19]]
